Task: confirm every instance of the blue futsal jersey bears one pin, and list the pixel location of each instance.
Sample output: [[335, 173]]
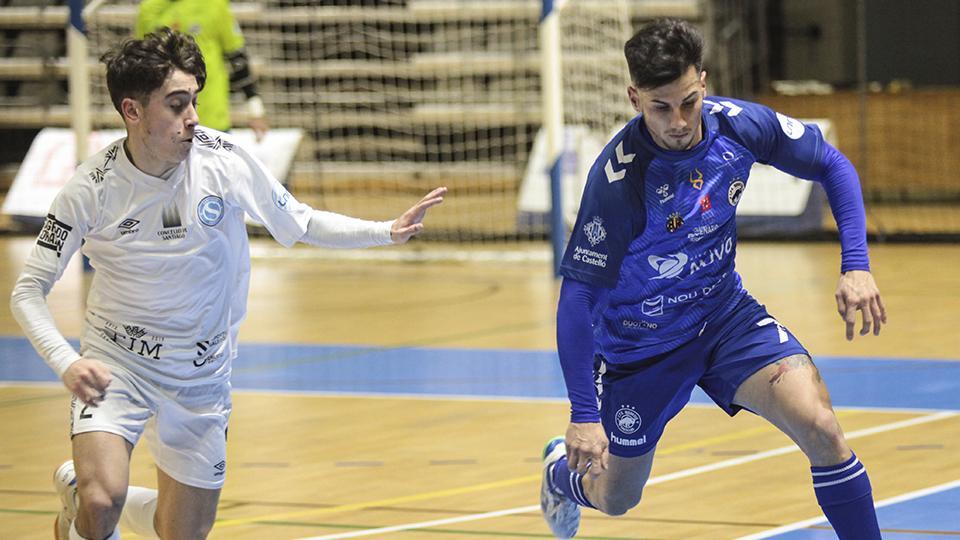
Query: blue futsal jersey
[[657, 230]]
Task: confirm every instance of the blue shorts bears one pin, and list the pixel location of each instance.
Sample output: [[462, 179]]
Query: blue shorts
[[638, 398]]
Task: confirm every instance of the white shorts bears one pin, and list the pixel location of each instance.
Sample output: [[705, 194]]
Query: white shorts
[[186, 428]]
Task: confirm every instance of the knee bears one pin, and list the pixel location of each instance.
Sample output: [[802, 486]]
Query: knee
[[825, 438], [100, 504]]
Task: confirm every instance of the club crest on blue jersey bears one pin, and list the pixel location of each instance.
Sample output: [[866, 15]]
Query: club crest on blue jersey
[[674, 221], [595, 231], [628, 420], [735, 192], [696, 179], [705, 203], [210, 210]]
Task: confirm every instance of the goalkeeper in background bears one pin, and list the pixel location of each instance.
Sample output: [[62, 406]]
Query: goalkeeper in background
[[212, 25]]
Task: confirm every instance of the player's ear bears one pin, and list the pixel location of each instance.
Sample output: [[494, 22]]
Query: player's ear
[[634, 95], [703, 80], [131, 110]]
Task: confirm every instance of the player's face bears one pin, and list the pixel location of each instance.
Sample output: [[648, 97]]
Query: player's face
[[164, 127], [672, 112]]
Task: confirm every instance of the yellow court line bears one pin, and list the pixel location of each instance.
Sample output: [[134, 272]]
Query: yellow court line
[[382, 502], [742, 434]]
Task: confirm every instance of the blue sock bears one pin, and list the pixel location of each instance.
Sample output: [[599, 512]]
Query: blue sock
[[570, 483], [846, 498]]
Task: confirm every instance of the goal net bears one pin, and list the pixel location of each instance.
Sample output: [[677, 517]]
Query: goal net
[[395, 97]]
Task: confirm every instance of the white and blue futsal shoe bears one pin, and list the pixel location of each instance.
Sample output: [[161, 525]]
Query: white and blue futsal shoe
[[561, 513], [65, 482]]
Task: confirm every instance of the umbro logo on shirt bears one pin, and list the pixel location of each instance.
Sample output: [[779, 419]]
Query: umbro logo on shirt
[[128, 226]]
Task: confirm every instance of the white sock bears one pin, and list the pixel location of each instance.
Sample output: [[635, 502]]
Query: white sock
[[139, 510], [74, 535]]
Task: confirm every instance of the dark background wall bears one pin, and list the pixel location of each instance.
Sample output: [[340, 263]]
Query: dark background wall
[[917, 40]]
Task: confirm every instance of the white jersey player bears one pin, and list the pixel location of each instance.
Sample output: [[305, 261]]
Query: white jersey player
[[160, 214]]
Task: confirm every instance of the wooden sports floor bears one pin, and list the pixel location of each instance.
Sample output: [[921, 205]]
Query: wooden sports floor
[[389, 399]]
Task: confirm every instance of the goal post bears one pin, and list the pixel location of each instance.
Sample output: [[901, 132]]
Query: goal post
[[551, 80], [583, 81]]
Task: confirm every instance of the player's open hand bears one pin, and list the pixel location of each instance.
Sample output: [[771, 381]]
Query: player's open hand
[[857, 291], [88, 380], [410, 223], [587, 446]]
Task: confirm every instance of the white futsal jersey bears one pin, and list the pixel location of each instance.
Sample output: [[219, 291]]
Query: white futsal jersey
[[171, 257]]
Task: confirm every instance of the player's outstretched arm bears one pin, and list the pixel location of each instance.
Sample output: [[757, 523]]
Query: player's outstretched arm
[[857, 291], [410, 223]]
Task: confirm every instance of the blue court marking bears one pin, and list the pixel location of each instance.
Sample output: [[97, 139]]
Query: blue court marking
[[933, 516], [853, 382]]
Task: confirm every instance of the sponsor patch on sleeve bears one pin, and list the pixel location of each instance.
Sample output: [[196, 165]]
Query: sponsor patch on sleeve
[[54, 234]]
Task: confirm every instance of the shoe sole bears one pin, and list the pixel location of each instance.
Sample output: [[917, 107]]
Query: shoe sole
[[552, 452]]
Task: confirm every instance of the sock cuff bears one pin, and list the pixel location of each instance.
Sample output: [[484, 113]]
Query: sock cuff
[[850, 462], [837, 474], [570, 483], [841, 483], [74, 535], [576, 488]]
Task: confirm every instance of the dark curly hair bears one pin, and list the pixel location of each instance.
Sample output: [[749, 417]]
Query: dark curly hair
[[662, 51], [137, 67]]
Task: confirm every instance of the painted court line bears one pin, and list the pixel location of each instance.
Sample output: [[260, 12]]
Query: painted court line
[[382, 502], [686, 473], [880, 504], [480, 398], [434, 523]]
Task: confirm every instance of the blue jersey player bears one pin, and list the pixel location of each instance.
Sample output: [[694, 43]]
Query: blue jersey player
[[651, 304]]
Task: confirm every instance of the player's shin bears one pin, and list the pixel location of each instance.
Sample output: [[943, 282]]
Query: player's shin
[[845, 495]]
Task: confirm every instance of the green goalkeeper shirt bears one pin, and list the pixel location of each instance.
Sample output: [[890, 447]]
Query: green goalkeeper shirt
[[212, 25]]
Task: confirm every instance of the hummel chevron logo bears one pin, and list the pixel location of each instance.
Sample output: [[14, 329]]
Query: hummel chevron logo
[[614, 175], [717, 107], [781, 333]]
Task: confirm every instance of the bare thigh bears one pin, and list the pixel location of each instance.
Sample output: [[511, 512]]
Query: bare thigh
[[184, 511], [791, 395]]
